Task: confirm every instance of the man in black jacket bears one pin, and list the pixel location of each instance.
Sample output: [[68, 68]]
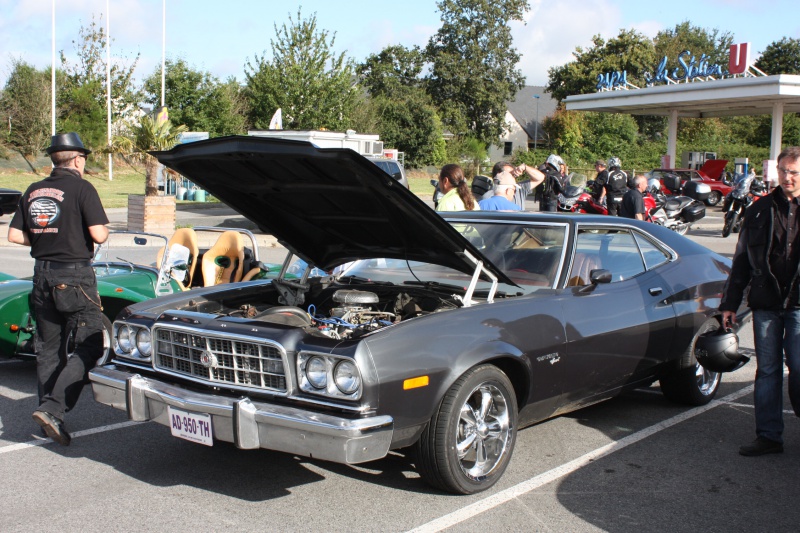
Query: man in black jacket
[[767, 257]]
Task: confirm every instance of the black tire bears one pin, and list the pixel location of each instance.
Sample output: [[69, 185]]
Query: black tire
[[731, 217], [692, 384], [714, 198], [477, 415]]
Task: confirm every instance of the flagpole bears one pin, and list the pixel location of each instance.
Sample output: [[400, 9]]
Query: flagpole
[[53, 75], [108, 90]]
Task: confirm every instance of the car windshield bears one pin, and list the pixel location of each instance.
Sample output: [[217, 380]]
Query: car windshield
[[131, 248], [529, 254]]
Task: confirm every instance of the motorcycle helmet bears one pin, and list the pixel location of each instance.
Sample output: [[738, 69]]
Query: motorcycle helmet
[[554, 161], [718, 351], [653, 185], [614, 162]]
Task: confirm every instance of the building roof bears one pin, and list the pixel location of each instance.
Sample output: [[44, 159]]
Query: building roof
[[524, 108], [715, 98]]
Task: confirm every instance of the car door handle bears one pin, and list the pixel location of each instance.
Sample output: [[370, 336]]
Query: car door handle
[[655, 291]]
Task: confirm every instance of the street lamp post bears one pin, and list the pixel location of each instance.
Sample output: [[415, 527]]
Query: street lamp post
[[536, 127]]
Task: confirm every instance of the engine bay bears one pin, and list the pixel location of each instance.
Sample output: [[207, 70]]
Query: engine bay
[[327, 308]]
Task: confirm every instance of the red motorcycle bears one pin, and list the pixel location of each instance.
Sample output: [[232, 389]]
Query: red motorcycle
[[577, 200]]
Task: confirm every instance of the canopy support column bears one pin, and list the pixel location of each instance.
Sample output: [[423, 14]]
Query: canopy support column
[[672, 138], [777, 130]]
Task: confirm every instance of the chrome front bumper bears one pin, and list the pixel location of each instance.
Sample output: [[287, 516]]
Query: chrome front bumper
[[248, 424]]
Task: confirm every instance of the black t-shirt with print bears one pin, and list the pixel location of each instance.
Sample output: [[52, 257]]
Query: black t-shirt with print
[[56, 214]]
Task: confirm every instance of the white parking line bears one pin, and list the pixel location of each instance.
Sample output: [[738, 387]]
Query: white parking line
[[76, 435], [504, 496], [750, 406]]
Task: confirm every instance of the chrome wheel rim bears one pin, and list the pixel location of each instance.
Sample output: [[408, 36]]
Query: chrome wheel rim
[[484, 431], [707, 380]]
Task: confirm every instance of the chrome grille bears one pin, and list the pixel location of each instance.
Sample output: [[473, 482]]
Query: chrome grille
[[218, 359]]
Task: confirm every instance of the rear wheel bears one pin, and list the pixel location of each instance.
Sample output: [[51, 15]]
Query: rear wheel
[[731, 217], [692, 384], [468, 442], [714, 198]]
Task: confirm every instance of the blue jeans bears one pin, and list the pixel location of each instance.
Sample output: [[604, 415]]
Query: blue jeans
[[777, 334]]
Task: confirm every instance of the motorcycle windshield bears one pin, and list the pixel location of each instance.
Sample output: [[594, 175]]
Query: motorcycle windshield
[[741, 182]]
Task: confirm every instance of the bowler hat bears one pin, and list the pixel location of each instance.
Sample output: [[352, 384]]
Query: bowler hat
[[67, 142]]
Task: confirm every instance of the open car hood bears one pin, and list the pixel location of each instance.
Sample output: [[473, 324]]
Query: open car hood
[[328, 205], [713, 168]]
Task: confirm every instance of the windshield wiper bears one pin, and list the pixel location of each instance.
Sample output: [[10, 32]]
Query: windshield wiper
[[360, 279], [435, 285]]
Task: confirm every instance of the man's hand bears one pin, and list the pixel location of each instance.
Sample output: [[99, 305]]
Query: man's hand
[[728, 319]]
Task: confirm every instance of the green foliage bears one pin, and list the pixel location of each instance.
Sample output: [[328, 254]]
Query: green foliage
[[25, 101], [714, 43], [630, 51], [392, 72], [468, 152], [781, 57], [311, 85], [411, 125], [86, 80], [473, 65], [197, 99]]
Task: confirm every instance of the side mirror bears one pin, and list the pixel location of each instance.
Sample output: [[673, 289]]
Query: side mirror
[[600, 275], [178, 270]]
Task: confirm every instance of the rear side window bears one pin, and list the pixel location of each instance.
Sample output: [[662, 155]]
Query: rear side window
[[391, 168]]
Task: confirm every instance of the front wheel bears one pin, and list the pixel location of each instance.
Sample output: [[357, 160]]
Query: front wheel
[[731, 217], [714, 198], [692, 384], [468, 442]]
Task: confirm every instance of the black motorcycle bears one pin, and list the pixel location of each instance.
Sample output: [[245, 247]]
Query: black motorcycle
[[746, 189]]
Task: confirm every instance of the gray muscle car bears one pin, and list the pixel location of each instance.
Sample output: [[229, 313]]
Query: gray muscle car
[[442, 334]]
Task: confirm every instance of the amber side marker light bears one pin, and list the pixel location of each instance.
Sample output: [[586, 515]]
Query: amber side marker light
[[413, 383], [14, 328]]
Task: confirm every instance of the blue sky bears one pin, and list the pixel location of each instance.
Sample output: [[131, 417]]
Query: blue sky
[[220, 36]]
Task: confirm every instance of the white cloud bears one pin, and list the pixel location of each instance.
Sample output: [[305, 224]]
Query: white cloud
[[555, 28]]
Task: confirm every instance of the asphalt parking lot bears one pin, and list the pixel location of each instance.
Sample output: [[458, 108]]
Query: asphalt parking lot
[[635, 463]]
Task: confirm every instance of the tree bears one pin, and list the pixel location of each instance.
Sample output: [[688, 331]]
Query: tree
[[197, 99], [81, 98], [411, 125], [25, 104], [151, 134], [715, 44], [473, 65], [630, 51], [312, 86], [392, 71], [781, 57]]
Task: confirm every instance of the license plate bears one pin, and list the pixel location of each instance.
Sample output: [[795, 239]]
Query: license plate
[[195, 427]]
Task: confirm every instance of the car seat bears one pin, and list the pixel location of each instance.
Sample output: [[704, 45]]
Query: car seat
[[187, 238], [582, 267], [223, 262]]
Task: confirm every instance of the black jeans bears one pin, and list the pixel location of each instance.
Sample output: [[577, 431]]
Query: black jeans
[[69, 334], [613, 203]]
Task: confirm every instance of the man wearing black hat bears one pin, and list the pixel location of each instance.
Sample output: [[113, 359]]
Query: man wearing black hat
[[61, 218]]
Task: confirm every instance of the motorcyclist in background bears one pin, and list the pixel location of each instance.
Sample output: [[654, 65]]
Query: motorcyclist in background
[[615, 187], [554, 182]]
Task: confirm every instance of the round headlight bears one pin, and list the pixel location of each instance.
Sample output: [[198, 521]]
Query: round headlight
[[143, 341], [347, 377], [317, 372], [124, 339]]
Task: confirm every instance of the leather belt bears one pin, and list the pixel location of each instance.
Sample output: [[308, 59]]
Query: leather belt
[[56, 265]]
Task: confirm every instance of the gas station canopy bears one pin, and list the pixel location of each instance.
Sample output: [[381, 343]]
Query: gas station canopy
[[760, 95], [715, 98]]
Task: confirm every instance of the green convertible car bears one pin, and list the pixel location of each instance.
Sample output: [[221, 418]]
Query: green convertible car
[[134, 267]]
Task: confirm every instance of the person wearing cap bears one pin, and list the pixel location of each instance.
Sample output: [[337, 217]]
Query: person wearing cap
[[504, 194], [61, 219], [524, 187]]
